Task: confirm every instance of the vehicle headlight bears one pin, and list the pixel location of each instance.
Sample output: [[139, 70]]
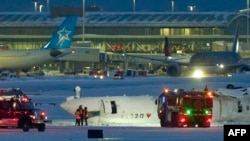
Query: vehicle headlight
[[34, 116], [198, 74], [221, 66], [42, 115]]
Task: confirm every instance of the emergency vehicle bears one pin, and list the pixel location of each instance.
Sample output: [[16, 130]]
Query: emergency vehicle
[[18, 111], [185, 108]]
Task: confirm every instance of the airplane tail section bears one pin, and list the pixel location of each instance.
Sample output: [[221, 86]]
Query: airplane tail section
[[167, 48], [63, 36], [236, 39]]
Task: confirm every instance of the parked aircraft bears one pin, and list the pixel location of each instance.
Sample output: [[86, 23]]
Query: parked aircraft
[[220, 62], [58, 46], [142, 110], [168, 56]]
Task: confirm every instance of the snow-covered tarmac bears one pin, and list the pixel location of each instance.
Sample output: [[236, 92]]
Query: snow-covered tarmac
[[54, 90], [71, 133]]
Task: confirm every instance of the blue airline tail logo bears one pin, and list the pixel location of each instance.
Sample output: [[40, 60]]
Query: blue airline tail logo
[[236, 39], [63, 36]]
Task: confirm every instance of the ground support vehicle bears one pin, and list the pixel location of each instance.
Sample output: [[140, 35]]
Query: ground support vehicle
[[185, 108], [18, 111], [118, 76]]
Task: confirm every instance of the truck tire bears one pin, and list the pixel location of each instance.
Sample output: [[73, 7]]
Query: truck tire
[[162, 123], [206, 125], [25, 125], [174, 120], [41, 127]]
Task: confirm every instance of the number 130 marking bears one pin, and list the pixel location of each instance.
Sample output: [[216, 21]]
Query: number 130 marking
[[137, 115]]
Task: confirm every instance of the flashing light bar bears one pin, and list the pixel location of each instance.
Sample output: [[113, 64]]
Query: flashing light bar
[[25, 99], [166, 90], [188, 112], [43, 114], [210, 94]]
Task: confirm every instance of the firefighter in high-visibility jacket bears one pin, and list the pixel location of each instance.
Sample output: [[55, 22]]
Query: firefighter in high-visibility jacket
[[77, 117], [85, 115]]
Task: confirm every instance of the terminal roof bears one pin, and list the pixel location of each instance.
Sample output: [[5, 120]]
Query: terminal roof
[[112, 19]]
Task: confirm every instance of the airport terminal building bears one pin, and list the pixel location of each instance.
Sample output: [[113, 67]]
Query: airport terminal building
[[113, 33]]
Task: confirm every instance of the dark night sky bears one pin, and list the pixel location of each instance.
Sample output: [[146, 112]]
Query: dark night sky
[[127, 5]]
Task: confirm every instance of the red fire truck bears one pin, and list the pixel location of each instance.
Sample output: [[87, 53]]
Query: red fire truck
[[185, 108], [18, 111]]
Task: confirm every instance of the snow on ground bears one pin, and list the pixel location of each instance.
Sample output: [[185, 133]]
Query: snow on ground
[[54, 90], [49, 90]]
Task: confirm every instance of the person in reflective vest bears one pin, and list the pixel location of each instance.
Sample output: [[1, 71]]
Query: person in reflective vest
[[85, 115], [81, 110], [77, 117]]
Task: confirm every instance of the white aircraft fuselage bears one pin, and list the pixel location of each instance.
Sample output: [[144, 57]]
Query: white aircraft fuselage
[[57, 46], [25, 59], [232, 105], [117, 110]]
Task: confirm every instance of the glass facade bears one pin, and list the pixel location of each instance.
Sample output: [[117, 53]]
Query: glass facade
[[191, 31], [133, 32]]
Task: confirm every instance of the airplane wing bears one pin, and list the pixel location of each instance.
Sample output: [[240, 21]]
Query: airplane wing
[[180, 59], [247, 60]]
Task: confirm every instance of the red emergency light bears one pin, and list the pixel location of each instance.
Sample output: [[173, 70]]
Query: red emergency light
[[210, 95], [182, 120], [25, 100]]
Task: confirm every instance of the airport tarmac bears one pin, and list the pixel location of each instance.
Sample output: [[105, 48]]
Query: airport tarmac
[[72, 133], [55, 90]]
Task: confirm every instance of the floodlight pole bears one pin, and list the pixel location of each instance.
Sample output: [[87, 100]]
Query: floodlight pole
[[133, 5], [172, 2], [35, 6], [40, 8], [48, 5], [83, 21], [191, 7]]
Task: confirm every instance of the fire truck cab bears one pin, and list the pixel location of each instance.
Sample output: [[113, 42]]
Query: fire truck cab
[[18, 111], [185, 108]]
